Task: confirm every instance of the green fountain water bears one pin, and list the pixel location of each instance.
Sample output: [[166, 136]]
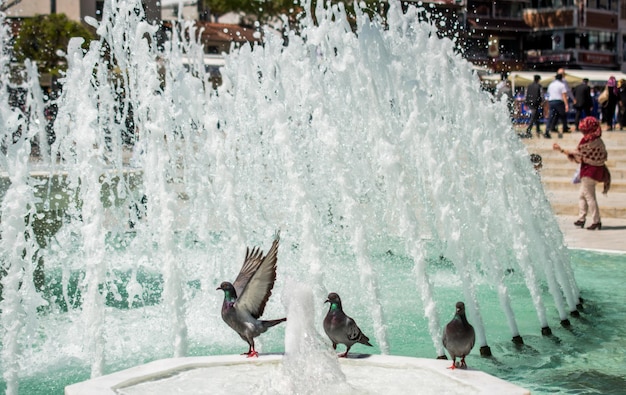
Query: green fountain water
[[389, 187]]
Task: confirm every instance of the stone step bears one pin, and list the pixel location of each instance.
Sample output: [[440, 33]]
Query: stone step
[[616, 138], [567, 173], [565, 202], [616, 155], [562, 183], [563, 164]]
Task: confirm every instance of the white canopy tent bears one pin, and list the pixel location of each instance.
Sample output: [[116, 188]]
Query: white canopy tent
[[573, 77], [596, 77]]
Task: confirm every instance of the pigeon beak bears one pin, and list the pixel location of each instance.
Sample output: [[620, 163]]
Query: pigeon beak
[[218, 288], [326, 301]]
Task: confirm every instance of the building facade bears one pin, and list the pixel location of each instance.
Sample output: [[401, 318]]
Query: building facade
[[546, 34], [494, 33], [578, 34], [503, 35], [75, 10]]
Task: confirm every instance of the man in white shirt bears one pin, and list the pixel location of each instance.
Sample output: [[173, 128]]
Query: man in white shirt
[[570, 93], [557, 100]]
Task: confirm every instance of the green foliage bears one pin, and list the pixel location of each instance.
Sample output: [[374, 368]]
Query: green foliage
[[262, 10], [42, 36], [265, 10], [220, 7]]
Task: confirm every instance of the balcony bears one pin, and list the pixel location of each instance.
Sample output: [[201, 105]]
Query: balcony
[[572, 58], [540, 19], [571, 17], [497, 16]]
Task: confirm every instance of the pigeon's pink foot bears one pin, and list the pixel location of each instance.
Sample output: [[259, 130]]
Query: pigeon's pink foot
[[253, 353], [343, 355], [453, 365]]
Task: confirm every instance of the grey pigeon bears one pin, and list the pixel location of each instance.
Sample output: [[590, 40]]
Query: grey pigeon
[[340, 328], [245, 299], [459, 336]]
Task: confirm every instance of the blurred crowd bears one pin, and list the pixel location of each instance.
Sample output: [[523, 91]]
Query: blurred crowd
[[604, 101]]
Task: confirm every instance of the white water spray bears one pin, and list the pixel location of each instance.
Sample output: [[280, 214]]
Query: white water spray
[[349, 142]]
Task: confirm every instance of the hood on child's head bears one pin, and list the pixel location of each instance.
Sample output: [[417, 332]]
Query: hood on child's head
[[589, 125]]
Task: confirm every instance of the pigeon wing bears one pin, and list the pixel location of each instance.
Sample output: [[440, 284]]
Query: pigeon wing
[[472, 336], [352, 330], [355, 334], [250, 266], [257, 280]]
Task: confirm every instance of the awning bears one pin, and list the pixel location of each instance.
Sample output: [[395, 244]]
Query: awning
[[573, 77]]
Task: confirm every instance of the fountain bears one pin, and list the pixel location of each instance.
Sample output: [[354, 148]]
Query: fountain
[[393, 178]]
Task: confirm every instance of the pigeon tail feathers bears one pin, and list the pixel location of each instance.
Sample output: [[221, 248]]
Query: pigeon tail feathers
[[270, 323], [364, 340]]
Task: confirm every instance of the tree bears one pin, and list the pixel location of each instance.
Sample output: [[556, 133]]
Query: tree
[[42, 36], [265, 10], [6, 6], [261, 10]]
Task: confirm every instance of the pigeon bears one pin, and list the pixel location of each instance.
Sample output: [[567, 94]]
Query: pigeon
[[245, 299], [340, 328], [459, 336]]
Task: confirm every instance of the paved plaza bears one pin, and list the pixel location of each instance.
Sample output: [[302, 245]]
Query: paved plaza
[[612, 237]]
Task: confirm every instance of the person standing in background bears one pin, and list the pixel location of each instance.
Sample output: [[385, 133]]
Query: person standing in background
[[608, 109], [534, 101], [570, 95], [596, 110], [558, 100], [583, 102], [621, 92]]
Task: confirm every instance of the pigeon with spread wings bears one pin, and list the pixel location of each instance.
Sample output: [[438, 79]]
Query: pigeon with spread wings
[[245, 299]]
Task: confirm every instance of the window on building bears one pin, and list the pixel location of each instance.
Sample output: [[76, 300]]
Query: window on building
[[517, 10], [505, 9], [609, 5], [552, 3], [480, 8], [509, 48], [99, 8], [607, 41], [583, 41], [476, 49], [598, 41], [593, 41], [569, 40], [541, 42]]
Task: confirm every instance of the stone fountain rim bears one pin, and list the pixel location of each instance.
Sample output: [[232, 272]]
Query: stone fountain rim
[[109, 384]]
